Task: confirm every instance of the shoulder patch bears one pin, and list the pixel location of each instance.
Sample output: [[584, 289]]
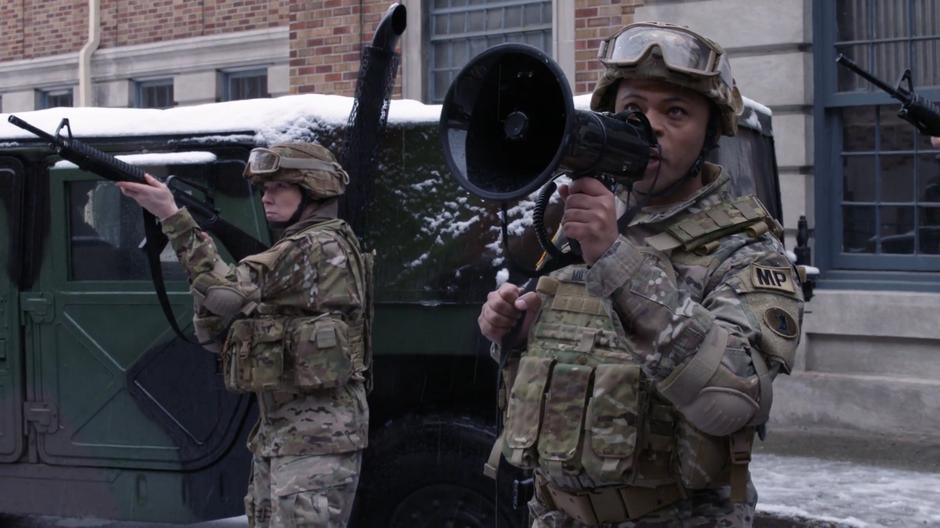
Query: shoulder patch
[[781, 323], [768, 278]]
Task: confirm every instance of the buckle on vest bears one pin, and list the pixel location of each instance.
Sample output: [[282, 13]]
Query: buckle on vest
[[588, 338], [740, 444]]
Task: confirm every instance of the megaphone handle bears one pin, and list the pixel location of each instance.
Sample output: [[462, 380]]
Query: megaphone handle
[[575, 246]]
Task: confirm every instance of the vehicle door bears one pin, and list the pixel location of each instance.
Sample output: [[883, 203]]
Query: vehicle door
[[11, 389], [121, 389]]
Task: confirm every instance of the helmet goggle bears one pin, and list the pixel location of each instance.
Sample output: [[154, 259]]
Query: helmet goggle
[[266, 161], [682, 50]]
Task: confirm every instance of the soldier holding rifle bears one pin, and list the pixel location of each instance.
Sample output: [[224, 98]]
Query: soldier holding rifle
[[292, 326]]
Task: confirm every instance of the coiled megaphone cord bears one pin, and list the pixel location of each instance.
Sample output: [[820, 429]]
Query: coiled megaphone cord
[[538, 219]]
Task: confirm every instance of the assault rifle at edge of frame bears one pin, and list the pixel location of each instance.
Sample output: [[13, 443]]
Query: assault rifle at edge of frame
[[238, 243], [916, 110]]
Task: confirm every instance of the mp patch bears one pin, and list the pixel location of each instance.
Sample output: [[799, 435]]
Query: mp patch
[[781, 322], [767, 278]]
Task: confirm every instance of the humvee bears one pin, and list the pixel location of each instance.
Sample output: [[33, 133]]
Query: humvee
[[105, 413]]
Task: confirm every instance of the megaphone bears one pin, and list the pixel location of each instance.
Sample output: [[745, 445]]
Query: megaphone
[[508, 126]]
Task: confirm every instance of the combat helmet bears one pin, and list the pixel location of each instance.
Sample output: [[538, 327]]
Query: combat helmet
[[673, 54], [310, 166]]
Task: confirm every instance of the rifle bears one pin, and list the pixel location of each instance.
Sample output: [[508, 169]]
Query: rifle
[[916, 110], [239, 243]]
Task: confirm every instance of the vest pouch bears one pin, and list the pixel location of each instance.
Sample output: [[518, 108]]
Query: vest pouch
[[613, 424], [563, 422], [209, 330], [319, 352], [253, 355], [703, 459], [524, 412]]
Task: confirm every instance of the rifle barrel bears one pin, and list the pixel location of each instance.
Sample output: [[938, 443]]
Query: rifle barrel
[[848, 63], [30, 128]]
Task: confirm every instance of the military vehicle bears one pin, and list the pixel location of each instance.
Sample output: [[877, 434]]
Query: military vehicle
[[105, 413]]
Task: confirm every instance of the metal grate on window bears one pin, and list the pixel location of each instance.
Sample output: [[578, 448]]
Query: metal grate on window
[[154, 94], [246, 84], [886, 195], [890, 185], [461, 29], [887, 36]]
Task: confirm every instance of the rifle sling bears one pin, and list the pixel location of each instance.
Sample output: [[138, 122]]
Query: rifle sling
[[156, 241]]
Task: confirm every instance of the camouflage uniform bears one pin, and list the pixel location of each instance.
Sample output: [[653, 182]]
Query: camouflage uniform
[[668, 301], [647, 374], [308, 442]]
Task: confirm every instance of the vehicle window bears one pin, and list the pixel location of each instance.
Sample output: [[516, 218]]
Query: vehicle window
[[749, 159], [10, 194], [106, 232], [106, 229]]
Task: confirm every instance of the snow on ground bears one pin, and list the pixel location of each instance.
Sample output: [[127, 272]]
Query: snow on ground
[[837, 493], [845, 493]]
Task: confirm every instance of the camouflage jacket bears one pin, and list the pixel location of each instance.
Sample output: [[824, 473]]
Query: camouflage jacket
[[305, 273], [671, 302], [668, 301]]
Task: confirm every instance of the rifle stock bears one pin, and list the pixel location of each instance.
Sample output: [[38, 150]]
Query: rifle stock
[[239, 243]]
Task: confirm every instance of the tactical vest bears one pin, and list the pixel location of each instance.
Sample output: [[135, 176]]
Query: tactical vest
[[580, 407], [275, 349]]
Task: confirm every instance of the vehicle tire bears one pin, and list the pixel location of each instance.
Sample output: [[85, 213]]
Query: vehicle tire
[[427, 472]]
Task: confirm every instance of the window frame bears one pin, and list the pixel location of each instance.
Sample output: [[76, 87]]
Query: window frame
[[141, 85], [228, 76], [46, 93], [840, 269], [430, 38]]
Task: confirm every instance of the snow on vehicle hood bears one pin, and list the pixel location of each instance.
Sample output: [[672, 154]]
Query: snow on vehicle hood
[[268, 118]]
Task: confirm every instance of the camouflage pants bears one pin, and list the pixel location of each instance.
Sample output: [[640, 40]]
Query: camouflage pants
[[703, 509], [302, 491]]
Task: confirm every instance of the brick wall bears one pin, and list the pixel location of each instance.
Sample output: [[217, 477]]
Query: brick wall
[[326, 36], [128, 22], [595, 20], [38, 28], [326, 39], [11, 34]]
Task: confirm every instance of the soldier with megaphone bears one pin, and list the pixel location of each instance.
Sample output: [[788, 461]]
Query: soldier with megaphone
[[640, 376]]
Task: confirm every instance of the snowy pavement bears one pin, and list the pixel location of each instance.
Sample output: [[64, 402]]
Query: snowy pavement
[[794, 491], [842, 493]]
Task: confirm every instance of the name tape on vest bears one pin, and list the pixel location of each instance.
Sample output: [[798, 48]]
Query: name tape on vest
[[778, 279]]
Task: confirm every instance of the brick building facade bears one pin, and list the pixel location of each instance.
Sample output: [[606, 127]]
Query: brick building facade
[[40, 28], [322, 39]]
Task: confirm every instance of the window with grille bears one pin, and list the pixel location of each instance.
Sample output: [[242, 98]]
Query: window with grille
[[245, 84], [154, 94], [458, 30], [878, 178], [55, 97]]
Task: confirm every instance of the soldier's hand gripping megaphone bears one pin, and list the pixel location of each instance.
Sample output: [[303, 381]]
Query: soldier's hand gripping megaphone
[[508, 126]]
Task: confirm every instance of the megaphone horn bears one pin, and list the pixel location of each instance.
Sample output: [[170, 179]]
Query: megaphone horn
[[508, 126]]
